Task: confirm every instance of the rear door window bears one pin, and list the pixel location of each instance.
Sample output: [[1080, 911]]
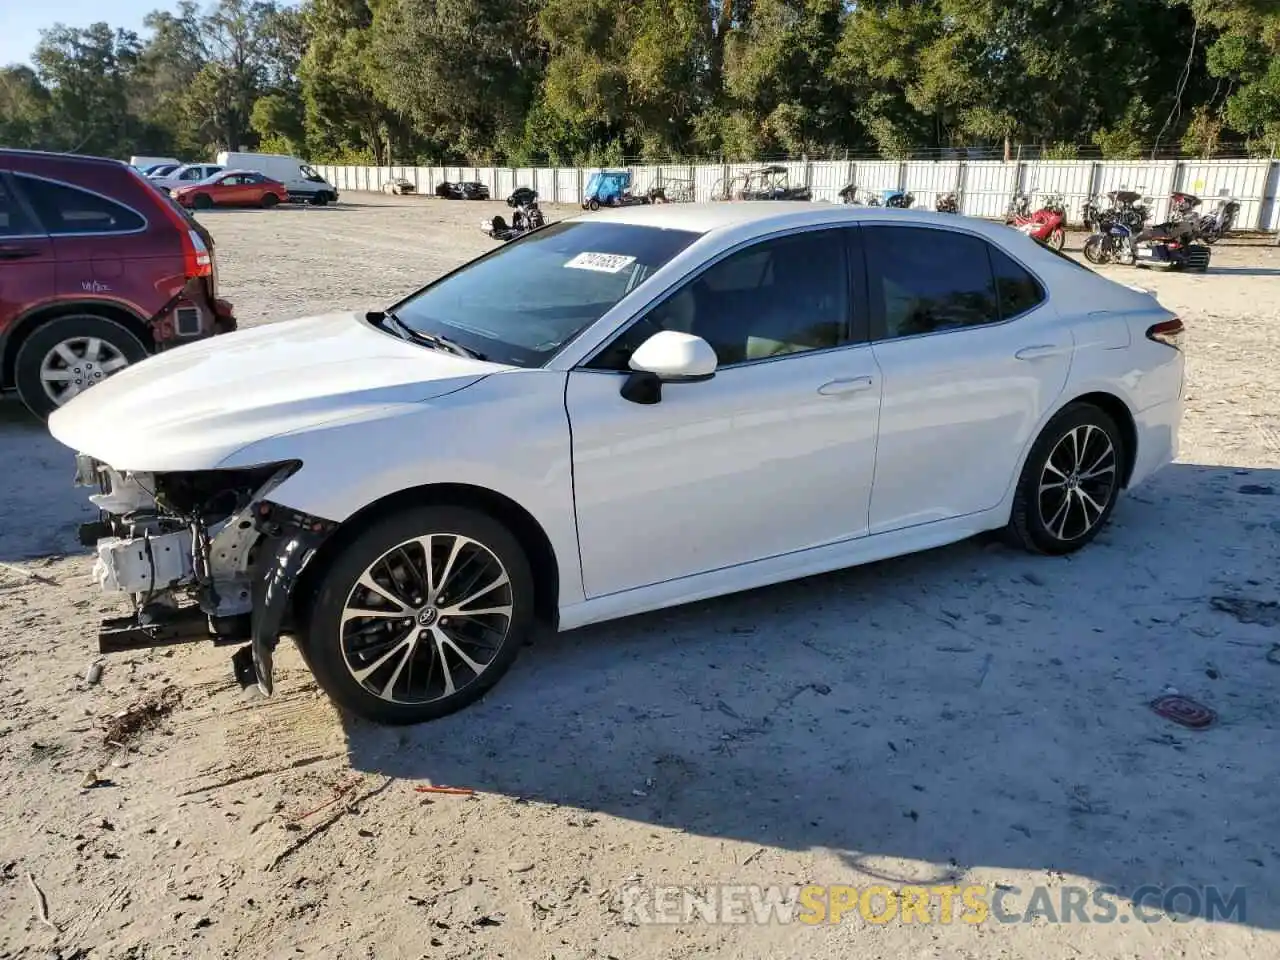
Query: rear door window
[[65, 210], [13, 220], [926, 280]]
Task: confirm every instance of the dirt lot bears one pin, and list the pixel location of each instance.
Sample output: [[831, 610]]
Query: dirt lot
[[969, 716]]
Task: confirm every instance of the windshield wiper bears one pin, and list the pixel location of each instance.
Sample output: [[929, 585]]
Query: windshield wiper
[[406, 332]]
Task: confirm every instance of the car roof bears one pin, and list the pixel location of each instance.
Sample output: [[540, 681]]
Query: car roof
[[766, 216], [17, 153]]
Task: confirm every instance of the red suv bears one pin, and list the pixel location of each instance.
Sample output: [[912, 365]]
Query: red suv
[[98, 269]]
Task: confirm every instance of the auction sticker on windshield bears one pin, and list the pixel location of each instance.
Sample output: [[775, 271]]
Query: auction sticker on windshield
[[600, 262]]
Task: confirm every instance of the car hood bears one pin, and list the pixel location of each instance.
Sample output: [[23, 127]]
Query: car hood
[[191, 407]]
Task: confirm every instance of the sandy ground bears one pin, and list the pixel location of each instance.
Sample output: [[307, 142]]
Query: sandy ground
[[971, 715]]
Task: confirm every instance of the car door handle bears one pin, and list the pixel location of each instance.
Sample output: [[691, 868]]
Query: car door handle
[[1040, 351], [16, 253], [840, 388]]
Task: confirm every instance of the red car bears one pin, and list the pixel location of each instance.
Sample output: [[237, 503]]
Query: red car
[[233, 188], [98, 269]]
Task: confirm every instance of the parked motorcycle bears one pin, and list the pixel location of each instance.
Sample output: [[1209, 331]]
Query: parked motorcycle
[[1170, 246], [1047, 224], [1214, 226], [948, 203], [527, 216]]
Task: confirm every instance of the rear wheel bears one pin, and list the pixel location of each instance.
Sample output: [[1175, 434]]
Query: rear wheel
[[66, 356], [1070, 482], [420, 615], [202, 201], [269, 200]]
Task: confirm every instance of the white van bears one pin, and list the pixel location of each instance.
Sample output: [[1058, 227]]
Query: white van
[[302, 182]]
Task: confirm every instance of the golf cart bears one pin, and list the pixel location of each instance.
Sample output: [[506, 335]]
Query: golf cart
[[770, 183], [610, 188]]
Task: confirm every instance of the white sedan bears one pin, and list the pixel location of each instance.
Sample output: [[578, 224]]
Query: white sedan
[[622, 411]]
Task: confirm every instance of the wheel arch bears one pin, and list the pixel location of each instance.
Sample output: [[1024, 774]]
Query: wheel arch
[[1119, 411], [527, 530], [30, 321]]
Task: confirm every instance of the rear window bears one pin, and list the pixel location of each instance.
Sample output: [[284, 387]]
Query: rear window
[[13, 222], [63, 209], [527, 299]]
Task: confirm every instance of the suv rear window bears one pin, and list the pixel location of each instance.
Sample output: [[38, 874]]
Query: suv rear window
[[13, 222], [63, 209]]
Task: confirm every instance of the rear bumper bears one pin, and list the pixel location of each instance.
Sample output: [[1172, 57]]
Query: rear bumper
[[1157, 430]]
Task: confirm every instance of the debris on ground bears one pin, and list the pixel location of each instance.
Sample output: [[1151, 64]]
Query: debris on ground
[[1184, 710], [28, 574], [146, 714], [457, 791], [94, 673], [1264, 613], [42, 903]]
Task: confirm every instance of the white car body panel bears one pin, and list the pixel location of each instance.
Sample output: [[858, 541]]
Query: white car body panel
[[959, 409], [749, 478], [193, 407], [746, 455]]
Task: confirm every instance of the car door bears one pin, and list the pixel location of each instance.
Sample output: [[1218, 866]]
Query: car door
[[95, 239], [28, 270], [774, 454], [973, 354]]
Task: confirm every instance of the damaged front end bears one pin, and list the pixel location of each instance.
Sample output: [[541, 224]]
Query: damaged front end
[[202, 555]]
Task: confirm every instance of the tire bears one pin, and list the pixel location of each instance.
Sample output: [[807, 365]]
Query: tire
[[1058, 239], [269, 200], [593, 204], [1094, 251], [1044, 521], [38, 358], [320, 199], [202, 201], [327, 641]]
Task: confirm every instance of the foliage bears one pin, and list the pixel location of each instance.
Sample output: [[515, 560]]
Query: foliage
[[597, 81]]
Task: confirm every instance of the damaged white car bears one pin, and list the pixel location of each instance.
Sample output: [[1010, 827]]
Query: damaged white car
[[614, 414]]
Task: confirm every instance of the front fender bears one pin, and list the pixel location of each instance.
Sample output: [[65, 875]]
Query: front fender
[[507, 434]]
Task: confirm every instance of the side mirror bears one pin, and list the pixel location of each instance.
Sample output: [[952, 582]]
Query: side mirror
[[667, 357]]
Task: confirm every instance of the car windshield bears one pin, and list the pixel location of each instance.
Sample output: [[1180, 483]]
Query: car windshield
[[527, 299]]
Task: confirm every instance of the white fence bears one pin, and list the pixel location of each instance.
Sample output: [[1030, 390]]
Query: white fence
[[984, 187]]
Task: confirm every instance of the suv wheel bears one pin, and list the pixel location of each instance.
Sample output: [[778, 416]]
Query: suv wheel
[[68, 355], [419, 615]]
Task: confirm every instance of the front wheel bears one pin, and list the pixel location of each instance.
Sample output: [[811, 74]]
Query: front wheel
[[1095, 249], [66, 356], [269, 200], [420, 615], [593, 204], [1058, 239], [320, 199], [202, 201], [1070, 482]]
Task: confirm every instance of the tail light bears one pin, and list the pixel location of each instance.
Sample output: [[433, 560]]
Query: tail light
[[1168, 332]]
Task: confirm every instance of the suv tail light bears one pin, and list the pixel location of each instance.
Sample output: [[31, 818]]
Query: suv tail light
[[196, 259], [1168, 332]]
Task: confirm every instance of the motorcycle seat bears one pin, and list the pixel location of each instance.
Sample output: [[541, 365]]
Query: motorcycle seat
[[1124, 196]]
